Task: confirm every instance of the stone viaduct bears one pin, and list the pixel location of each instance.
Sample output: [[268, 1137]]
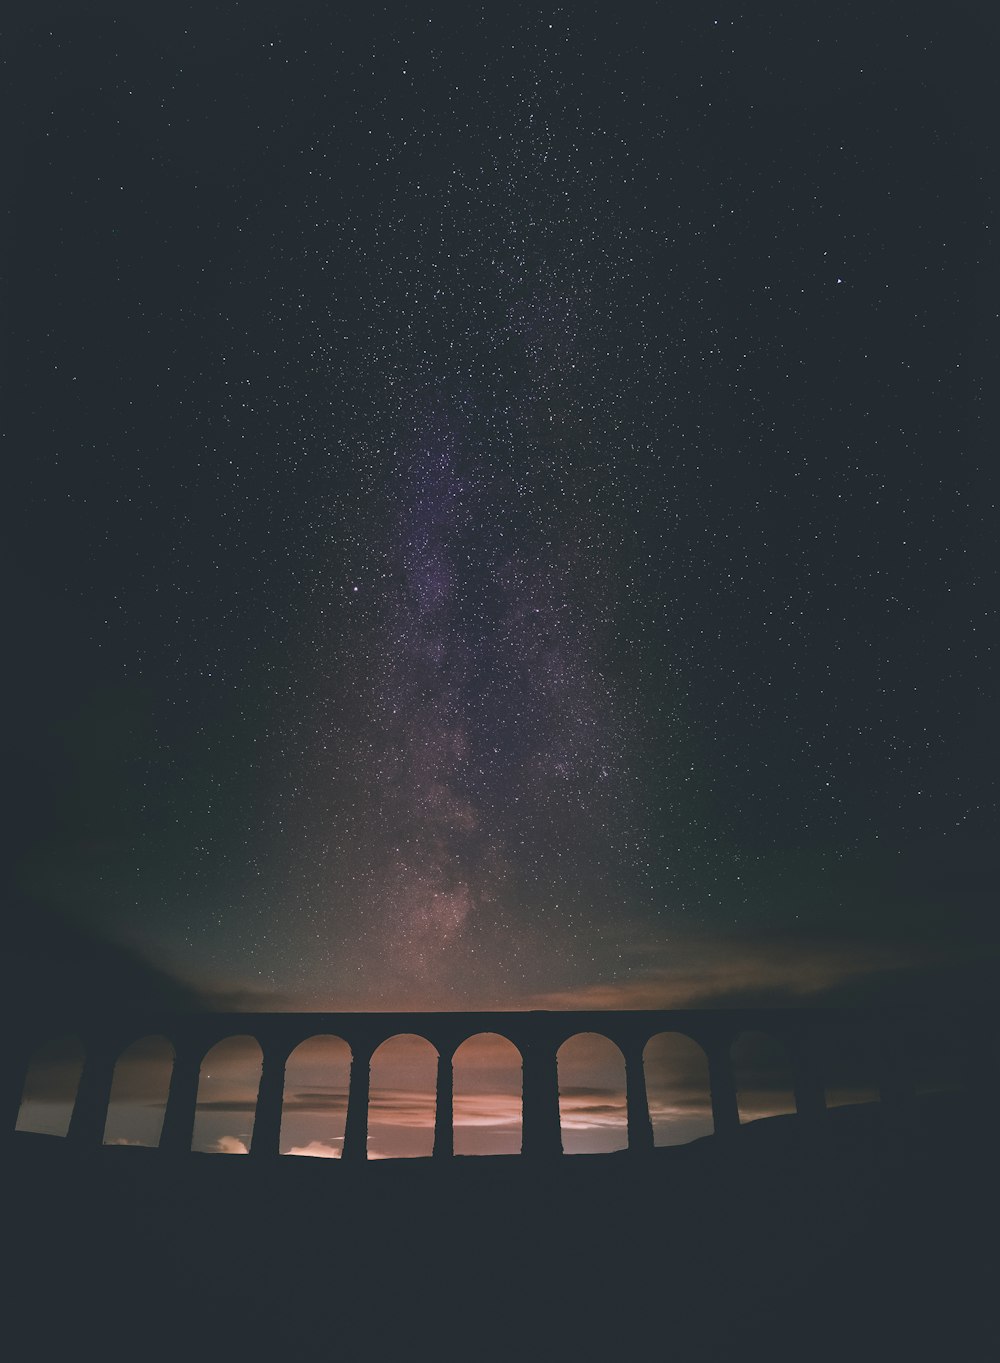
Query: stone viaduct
[[536, 1035]]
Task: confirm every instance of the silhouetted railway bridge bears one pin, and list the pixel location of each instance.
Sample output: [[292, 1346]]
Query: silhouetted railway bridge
[[809, 1035]]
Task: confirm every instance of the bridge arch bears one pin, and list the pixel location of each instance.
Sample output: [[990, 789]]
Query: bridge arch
[[226, 1106], [402, 1097], [850, 1065], [593, 1112], [488, 1095], [51, 1085], [317, 1076], [678, 1088], [762, 1070], [139, 1089]]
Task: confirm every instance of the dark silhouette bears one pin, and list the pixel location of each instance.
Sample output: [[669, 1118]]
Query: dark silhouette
[[810, 1037], [824, 1234]]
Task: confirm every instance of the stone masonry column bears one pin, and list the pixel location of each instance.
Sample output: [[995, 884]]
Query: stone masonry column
[[725, 1106], [15, 1065], [640, 1128], [90, 1111], [980, 1060], [266, 1137], [182, 1100], [540, 1132], [897, 1091], [444, 1123], [356, 1126], [810, 1092]]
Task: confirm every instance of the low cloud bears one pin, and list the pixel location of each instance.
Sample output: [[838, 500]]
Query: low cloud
[[316, 1101], [231, 1145], [696, 1105], [240, 999], [244, 1105], [318, 1149], [499, 1111], [403, 1108], [584, 1109], [762, 972]]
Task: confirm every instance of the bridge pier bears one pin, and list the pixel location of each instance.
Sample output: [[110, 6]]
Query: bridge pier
[[981, 1078], [266, 1139], [182, 1101], [640, 1128], [93, 1098], [807, 1083], [356, 1124], [897, 1090], [13, 1077], [725, 1105], [444, 1110], [541, 1135]]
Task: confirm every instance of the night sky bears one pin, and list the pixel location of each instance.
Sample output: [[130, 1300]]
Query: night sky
[[500, 501]]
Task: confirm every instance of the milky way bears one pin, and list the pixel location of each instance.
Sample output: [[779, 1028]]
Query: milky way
[[505, 506], [493, 740]]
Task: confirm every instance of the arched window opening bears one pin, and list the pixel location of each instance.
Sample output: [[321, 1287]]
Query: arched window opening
[[677, 1087], [314, 1110], [139, 1093], [850, 1068], [227, 1097], [487, 1096], [50, 1087], [592, 1113], [402, 1099], [763, 1073]]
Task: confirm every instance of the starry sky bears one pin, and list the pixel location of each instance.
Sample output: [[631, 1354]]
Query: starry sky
[[501, 500]]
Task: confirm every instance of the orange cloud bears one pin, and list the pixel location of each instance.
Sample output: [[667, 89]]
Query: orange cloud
[[231, 1145], [705, 974], [317, 1150], [488, 1110]]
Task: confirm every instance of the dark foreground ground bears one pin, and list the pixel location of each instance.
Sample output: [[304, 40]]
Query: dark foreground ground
[[862, 1247]]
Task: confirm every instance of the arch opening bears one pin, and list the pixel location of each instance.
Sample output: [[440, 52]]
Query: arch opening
[[850, 1068], [487, 1096], [678, 1089], [762, 1071], [314, 1107], [139, 1093], [593, 1117], [51, 1086], [227, 1097], [402, 1098]]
